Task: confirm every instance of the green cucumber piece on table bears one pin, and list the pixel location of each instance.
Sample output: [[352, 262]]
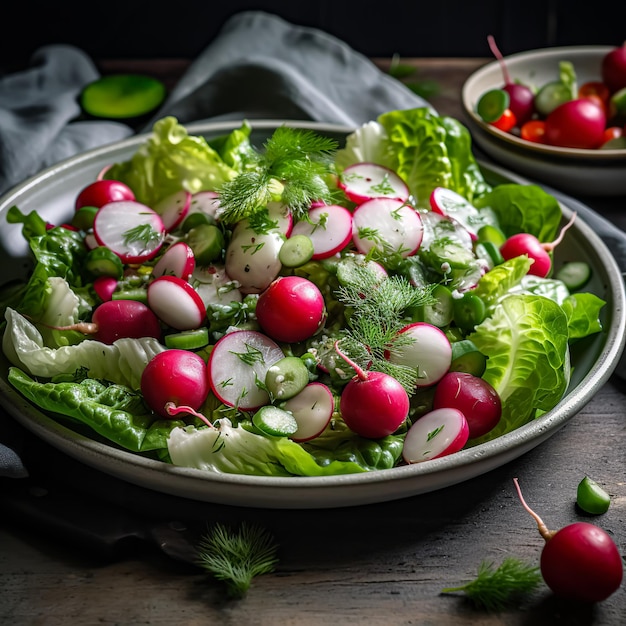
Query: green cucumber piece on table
[[122, 96]]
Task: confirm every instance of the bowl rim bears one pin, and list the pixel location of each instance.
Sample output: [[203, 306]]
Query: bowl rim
[[517, 143]]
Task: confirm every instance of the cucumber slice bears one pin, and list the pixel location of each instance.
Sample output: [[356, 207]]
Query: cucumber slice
[[488, 251], [575, 274], [274, 421], [83, 218], [492, 104], [122, 96], [139, 294], [101, 261], [439, 313], [287, 378], [207, 242], [466, 357], [188, 339], [296, 251], [491, 233], [551, 95]]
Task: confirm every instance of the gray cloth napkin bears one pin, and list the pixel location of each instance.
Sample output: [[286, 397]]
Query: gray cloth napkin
[[259, 66]]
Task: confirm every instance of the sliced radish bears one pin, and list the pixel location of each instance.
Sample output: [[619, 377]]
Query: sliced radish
[[214, 285], [176, 303], [173, 209], [437, 226], [252, 258], [312, 408], [430, 352], [329, 227], [388, 226], [435, 434], [238, 361], [280, 213], [177, 260], [365, 181], [207, 202], [454, 205], [130, 229], [90, 241]]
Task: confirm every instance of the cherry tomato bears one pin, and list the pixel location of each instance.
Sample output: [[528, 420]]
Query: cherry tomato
[[595, 88], [102, 192], [534, 131], [613, 132], [506, 121]]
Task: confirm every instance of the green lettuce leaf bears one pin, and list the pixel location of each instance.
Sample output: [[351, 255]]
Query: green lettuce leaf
[[583, 314], [526, 344], [171, 160]]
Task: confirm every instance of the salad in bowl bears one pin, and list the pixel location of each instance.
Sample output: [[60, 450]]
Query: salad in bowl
[[301, 309]]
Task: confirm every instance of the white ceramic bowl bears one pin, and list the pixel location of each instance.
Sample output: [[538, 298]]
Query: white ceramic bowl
[[51, 193], [576, 171]]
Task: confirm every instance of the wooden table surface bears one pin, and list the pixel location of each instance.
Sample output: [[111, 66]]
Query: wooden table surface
[[382, 564]]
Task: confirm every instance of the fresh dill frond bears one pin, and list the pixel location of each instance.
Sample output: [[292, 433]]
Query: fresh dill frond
[[293, 167], [377, 310], [495, 589], [236, 557]]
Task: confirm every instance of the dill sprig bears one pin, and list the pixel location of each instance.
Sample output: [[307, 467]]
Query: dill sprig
[[237, 557], [494, 589], [294, 166], [377, 310]]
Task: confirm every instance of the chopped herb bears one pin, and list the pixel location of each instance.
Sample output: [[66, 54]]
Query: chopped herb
[[144, 233]]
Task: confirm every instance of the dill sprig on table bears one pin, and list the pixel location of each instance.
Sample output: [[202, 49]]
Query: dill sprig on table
[[494, 589], [236, 557], [294, 166]]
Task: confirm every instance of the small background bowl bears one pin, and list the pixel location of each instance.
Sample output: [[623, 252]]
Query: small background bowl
[[577, 171]]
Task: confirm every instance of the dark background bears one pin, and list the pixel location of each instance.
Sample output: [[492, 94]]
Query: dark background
[[148, 29]]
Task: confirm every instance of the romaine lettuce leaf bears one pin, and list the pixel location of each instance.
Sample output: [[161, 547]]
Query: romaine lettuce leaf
[[171, 160], [526, 344]]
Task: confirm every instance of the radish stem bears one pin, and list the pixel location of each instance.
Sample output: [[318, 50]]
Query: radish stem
[[359, 372], [549, 246], [496, 53], [543, 529], [172, 410]]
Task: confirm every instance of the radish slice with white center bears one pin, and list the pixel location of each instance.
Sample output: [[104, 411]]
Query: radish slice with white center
[[435, 434], [252, 258], [280, 213], [387, 225], [173, 209], [437, 226], [312, 409], [177, 260], [329, 227], [130, 229], [430, 352], [365, 181], [455, 206], [176, 303], [214, 285], [238, 361], [207, 202]]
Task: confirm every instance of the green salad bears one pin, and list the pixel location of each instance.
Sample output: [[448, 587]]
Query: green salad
[[299, 308]]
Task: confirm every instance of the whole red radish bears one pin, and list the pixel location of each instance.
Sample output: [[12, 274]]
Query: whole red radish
[[525, 243], [372, 404], [521, 97], [614, 69], [474, 397], [291, 309], [577, 123], [580, 561], [117, 319], [174, 378], [102, 192]]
